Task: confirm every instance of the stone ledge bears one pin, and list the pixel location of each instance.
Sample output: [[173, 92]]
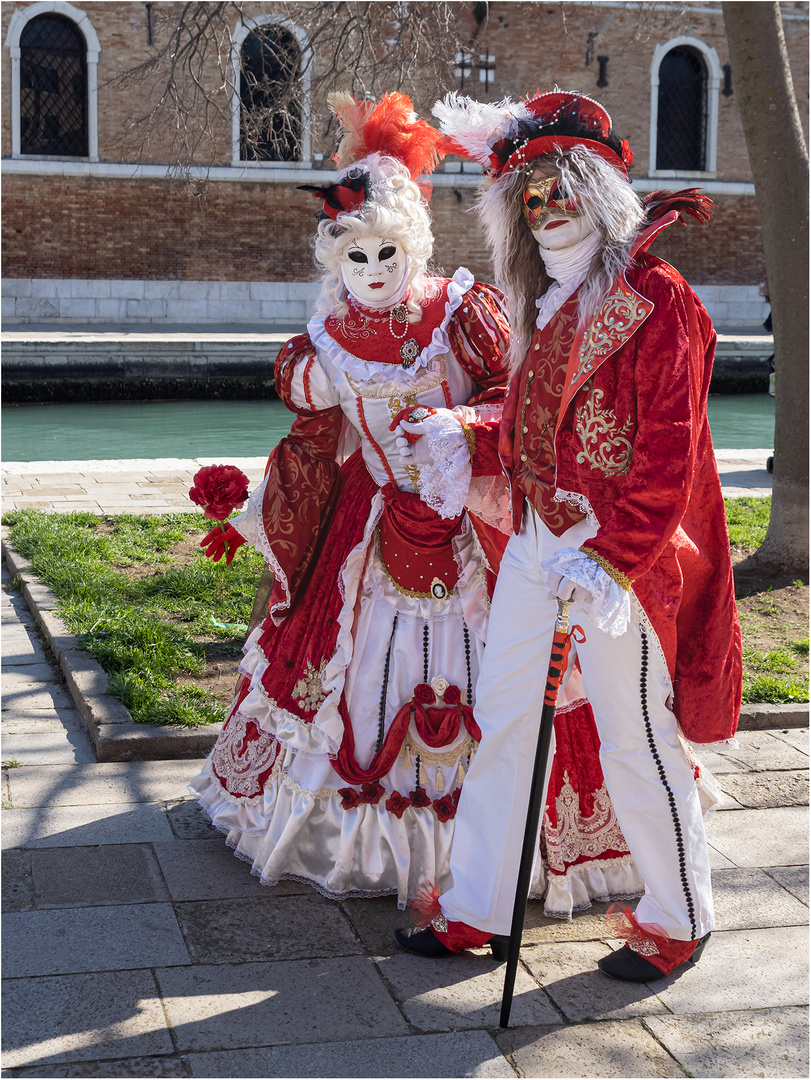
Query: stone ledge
[[763, 716]]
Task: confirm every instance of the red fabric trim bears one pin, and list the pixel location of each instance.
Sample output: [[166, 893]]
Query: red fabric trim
[[366, 334], [416, 543], [378, 450], [669, 953], [459, 936]]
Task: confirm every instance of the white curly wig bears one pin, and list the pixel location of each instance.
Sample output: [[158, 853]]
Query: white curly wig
[[397, 211], [604, 198]]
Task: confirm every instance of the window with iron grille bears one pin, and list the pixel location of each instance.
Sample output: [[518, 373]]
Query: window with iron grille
[[53, 88], [681, 135], [270, 96]]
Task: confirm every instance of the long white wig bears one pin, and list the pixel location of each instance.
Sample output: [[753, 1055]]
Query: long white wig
[[397, 211], [603, 197]]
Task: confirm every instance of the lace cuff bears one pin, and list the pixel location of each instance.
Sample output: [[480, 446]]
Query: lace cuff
[[610, 607], [444, 482]]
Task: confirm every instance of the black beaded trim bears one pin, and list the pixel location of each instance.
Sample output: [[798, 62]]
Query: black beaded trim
[[425, 652], [670, 797], [381, 716], [467, 664]]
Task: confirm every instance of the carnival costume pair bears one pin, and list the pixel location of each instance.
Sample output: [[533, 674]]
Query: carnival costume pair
[[343, 756]]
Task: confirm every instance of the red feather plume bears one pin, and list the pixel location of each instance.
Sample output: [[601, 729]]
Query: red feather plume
[[687, 201], [390, 127]]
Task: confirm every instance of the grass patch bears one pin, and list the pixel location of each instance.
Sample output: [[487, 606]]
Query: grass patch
[[748, 520], [148, 605], [143, 600]]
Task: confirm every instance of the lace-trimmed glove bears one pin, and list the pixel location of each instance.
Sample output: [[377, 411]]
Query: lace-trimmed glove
[[443, 454], [222, 540], [573, 575]]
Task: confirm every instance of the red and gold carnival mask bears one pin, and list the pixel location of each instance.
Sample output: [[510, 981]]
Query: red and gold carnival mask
[[545, 196]]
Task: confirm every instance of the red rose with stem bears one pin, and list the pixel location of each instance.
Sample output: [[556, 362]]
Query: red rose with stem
[[220, 489]]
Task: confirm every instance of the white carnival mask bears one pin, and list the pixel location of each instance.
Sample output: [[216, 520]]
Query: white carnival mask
[[374, 270]]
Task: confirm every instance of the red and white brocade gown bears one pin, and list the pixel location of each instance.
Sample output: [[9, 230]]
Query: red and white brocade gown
[[344, 752]]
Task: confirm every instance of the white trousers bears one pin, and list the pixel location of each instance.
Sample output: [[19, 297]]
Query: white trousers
[[656, 802]]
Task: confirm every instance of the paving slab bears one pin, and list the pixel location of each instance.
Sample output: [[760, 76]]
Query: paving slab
[[24, 693], [460, 992], [190, 822], [208, 870], [54, 747], [765, 751], [765, 789], [472, 1053], [38, 723], [792, 878], [80, 1017], [227, 1007], [91, 939], [78, 826], [107, 1070], [21, 646], [742, 969], [796, 737], [568, 972], [103, 783], [18, 881], [264, 928], [765, 1042], [94, 876], [746, 899], [770, 837], [608, 1049]]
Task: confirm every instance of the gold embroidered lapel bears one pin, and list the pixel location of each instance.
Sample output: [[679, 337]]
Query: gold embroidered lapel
[[619, 318]]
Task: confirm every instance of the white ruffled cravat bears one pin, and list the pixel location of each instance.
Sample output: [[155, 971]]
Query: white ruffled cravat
[[568, 267]]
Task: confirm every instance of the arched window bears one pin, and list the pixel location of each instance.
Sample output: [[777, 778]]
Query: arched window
[[270, 95], [685, 82], [681, 137], [54, 54], [53, 88]]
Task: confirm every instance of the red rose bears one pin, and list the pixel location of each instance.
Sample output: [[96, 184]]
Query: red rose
[[371, 792], [349, 797], [424, 694], [419, 797], [455, 796], [396, 804], [453, 695], [445, 807], [219, 489]]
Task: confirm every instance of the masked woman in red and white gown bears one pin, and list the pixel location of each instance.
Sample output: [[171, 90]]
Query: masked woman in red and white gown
[[344, 752]]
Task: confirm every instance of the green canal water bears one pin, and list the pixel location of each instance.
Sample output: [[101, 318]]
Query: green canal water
[[226, 429]]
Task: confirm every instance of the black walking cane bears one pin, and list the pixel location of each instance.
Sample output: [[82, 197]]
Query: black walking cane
[[557, 668]]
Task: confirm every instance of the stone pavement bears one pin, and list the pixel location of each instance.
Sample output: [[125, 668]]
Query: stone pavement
[[146, 486], [135, 944]]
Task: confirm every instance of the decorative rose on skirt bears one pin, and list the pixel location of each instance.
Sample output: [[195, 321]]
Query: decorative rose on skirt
[[219, 489], [453, 695], [396, 804], [424, 694], [445, 808], [349, 797], [371, 792], [419, 797]]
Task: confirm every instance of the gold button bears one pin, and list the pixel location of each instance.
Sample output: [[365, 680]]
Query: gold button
[[537, 346], [531, 375], [527, 401], [525, 429], [523, 457]]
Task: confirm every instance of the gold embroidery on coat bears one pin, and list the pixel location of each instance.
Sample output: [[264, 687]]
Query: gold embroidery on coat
[[616, 320], [576, 835], [605, 446], [308, 691]]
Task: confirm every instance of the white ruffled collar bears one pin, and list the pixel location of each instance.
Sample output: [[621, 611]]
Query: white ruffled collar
[[439, 344]]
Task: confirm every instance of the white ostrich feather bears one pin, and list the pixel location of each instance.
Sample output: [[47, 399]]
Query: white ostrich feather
[[477, 125]]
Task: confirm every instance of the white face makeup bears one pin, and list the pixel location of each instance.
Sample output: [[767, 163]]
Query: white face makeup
[[556, 232], [373, 268]]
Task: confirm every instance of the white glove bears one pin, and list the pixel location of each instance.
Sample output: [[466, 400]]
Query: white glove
[[415, 453], [566, 589], [437, 425]]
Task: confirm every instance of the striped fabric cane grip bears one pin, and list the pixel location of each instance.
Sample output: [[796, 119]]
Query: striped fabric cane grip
[[559, 653]]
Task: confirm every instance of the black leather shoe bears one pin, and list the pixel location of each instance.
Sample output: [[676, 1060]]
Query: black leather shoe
[[499, 947], [628, 966], [422, 942]]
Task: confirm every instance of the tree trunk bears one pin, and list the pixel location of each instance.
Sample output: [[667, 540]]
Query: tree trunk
[[779, 161]]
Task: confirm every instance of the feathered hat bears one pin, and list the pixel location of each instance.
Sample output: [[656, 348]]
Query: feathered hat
[[504, 136], [389, 126]]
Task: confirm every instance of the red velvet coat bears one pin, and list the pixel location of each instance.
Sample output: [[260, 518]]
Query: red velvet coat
[[632, 437]]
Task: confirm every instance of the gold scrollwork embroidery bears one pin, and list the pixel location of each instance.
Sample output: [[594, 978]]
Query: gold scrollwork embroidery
[[605, 446], [614, 322], [577, 834], [308, 691]]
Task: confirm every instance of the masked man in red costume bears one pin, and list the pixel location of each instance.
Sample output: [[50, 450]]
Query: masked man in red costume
[[616, 503]]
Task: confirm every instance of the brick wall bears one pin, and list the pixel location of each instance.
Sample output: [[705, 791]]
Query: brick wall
[[108, 229]]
